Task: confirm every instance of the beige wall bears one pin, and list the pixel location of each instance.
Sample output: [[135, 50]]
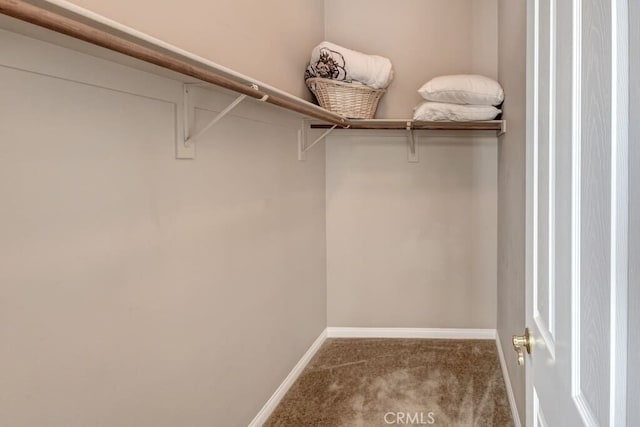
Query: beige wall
[[423, 39], [411, 244], [136, 289], [511, 187], [268, 40]]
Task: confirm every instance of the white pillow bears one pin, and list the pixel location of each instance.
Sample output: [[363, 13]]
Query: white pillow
[[463, 89], [439, 111]]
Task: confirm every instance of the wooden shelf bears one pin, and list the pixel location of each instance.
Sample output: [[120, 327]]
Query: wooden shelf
[[407, 124]]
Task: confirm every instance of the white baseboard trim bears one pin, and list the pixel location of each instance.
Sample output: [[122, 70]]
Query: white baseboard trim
[[275, 399], [447, 333], [507, 383]]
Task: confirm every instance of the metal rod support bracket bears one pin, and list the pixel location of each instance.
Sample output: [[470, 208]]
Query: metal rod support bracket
[[302, 139], [320, 138], [185, 149], [189, 139], [256, 87], [185, 146]]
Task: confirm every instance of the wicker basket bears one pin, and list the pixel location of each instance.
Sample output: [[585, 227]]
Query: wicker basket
[[353, 101]]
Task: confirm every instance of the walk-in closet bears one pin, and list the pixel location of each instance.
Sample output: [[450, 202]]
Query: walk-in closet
[[309, 212]]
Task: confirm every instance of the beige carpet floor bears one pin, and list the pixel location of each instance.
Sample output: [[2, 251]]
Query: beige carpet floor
[[401, 382]]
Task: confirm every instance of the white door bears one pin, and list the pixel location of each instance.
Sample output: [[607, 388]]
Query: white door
[[577, 212]]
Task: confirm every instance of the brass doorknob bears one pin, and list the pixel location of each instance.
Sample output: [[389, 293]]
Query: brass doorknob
[[521, 343]]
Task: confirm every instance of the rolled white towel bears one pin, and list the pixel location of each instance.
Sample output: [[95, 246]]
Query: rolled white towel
[[331, 61]]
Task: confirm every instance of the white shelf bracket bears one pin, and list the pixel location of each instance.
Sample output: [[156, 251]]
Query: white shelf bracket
[[186, 147], [412, 155], [189, 139], [302, 139]]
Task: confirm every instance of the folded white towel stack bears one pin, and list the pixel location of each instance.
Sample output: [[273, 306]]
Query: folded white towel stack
[[331, 61], [463, 97]]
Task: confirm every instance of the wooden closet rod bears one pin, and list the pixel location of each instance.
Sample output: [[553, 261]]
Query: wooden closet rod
[[44, 18]]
